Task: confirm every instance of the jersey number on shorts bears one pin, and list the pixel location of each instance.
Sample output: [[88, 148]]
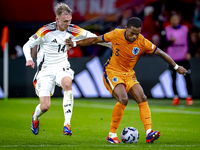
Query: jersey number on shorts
[[117, 52], [61, 49]]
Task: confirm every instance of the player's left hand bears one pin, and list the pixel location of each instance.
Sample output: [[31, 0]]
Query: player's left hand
[[182, 70], [30, 64], [69, 43]]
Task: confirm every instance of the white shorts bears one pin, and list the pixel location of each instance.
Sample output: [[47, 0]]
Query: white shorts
[[49, 76]]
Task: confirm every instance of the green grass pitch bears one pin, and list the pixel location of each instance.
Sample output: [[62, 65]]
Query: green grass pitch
[[179, 125]]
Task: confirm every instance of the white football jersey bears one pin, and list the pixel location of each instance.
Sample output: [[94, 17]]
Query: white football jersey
[[51, 43]]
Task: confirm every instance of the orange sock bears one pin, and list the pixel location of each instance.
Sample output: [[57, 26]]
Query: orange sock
[[117, 115], [145, 115]]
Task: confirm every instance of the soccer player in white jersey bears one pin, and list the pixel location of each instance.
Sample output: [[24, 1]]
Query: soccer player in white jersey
[[53, 66]]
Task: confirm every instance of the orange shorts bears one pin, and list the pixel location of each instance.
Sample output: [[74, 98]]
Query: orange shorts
[[112, 78]]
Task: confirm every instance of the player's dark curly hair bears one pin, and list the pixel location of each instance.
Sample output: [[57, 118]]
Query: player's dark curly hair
[[134, 22]]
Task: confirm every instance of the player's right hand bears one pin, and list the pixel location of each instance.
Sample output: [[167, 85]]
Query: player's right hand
[[69, 43], [30, 64]]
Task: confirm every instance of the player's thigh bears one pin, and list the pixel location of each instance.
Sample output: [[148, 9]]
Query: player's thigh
[[115, 85], [120, 94], [45, 84], [136, 92], [110, 81], [64, 77], [130, 81], [45, 102]]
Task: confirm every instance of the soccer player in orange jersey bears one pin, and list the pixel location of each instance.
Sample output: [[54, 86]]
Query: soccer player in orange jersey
[[119, 77]]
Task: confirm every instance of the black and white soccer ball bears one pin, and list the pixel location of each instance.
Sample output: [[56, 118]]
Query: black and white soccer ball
[[130, 135]]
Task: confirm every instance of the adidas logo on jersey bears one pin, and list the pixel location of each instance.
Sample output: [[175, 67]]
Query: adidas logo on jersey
[[55, 41]]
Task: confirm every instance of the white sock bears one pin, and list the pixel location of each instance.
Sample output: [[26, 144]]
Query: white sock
[[68, 102], [148, 131], [112, 135], [37, 113]]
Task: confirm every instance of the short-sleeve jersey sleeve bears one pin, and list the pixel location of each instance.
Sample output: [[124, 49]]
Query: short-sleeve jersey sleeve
[[149, 47], [107, 37]]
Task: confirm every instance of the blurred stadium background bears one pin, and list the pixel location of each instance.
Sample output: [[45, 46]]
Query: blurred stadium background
[[24, 18]]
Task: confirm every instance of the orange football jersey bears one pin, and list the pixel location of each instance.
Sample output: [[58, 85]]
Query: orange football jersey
[[125, 54]]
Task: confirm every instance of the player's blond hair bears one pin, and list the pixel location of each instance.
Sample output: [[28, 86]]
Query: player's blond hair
[[62, 8]]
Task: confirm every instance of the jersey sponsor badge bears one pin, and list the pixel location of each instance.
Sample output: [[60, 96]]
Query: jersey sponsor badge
[[115, 79], [135, 50], [35, 36]]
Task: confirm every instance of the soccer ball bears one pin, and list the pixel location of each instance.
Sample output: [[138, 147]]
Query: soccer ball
[[130, 135]]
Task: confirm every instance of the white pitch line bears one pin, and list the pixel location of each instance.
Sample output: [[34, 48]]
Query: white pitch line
[[38, 146], [174, 145], [137, 109]]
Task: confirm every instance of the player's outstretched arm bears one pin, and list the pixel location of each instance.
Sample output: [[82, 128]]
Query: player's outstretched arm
[[84, 42], [27, 53], [169, 60]]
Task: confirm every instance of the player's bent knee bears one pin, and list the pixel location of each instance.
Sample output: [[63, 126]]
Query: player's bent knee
[[67, 86], [144, 98], [44, 108], [66, 83], [124, 101]]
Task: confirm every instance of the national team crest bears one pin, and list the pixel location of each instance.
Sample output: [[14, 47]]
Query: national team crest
[[115, 79], [35, 36], [135, 50]]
